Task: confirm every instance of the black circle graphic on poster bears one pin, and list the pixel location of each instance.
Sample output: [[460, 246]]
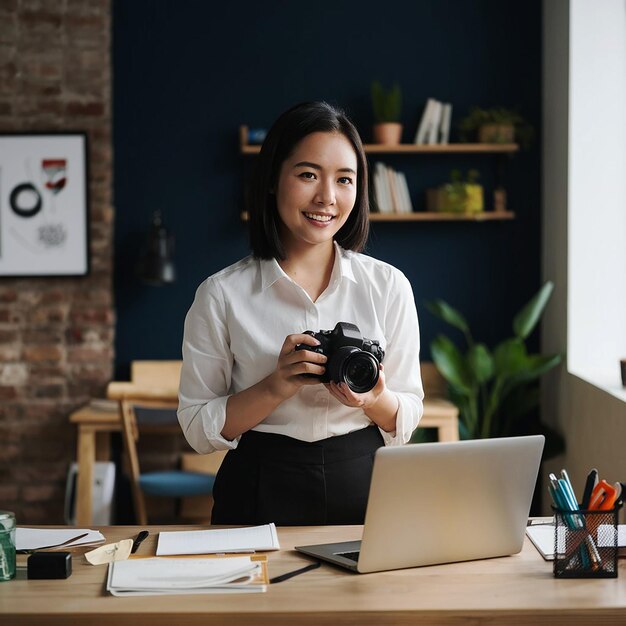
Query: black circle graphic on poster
[[18, 197]]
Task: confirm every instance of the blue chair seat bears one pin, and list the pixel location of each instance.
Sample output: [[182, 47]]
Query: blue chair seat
[[176, 484]]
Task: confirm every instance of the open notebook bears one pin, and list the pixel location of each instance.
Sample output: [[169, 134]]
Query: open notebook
[[173, 576]]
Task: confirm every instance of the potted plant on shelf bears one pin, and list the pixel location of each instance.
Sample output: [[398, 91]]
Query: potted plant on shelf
[[495, 390], [387, 106], [459, 195], [495, 125]]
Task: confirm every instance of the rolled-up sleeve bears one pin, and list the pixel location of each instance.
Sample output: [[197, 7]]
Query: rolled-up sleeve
[[402, 365], [206, 372]]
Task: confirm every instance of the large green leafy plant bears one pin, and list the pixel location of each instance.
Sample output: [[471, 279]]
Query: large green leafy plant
[[495, 390]]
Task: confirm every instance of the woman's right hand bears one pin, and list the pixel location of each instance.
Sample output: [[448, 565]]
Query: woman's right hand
[[292, 364]]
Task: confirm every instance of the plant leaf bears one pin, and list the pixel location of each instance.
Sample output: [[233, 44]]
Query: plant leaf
[[464, 433], [522, 401], [509, 357], [526, 320], [535, 366], [448, 314], [480, 363], [450, 363], [466, 421]]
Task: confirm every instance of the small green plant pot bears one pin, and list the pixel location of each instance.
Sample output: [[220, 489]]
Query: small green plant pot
[[496, 133]]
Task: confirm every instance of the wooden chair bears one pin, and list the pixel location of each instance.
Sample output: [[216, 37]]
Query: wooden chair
[[168, 483], [198, 508], [163, 375], [153, 391]]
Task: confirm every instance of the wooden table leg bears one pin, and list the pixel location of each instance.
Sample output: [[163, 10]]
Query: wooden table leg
[[86, 456], [103, 446], [449, 432]]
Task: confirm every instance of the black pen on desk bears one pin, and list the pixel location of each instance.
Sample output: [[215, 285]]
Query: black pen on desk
[[288, 575], [140, 537]]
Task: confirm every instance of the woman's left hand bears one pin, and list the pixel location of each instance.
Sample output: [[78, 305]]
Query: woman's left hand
[[346, 396]]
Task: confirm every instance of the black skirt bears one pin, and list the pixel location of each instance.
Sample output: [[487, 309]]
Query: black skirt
[[274, 478]]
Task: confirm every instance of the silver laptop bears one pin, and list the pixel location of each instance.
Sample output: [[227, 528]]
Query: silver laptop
[[441, 503]]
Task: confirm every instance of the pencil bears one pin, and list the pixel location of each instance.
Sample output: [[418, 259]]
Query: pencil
[[288, 575]]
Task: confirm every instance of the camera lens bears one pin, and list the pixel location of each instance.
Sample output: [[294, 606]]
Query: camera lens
[[360, 371]]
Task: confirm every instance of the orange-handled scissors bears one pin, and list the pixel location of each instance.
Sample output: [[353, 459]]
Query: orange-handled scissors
[[603, 497]]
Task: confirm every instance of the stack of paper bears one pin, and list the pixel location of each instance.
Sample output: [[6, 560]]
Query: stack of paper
[[542, 537], [155, 576], [225, 540], [38, 538]]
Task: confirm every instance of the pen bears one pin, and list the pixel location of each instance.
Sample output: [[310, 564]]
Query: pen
[[288, 575], [567, 502], [592, 481], [140, 537]]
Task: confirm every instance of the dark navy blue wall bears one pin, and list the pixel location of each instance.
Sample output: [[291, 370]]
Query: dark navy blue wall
[[187, 73]]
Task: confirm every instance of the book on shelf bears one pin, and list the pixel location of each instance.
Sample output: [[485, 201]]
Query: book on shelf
[[446, 118], [434, 123], [423, 127], [381, 192], [434, 126], [391, 191], [407, 206]]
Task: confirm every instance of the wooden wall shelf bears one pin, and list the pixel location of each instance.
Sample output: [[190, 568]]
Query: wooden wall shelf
[[407, 148], [437, 216]]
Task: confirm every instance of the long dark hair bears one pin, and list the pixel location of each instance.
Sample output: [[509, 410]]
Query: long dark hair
[[289, 129]]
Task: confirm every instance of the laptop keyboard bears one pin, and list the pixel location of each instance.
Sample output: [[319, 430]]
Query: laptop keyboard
[[353, 556]]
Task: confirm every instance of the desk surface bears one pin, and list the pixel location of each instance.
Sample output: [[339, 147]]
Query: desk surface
[[514, 590]]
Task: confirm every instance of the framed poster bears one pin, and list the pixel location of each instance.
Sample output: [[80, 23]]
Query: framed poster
[[44, 216]]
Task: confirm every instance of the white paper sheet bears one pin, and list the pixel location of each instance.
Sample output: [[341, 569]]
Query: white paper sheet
[[250, 539], [35, 538], [542, 537], [155, 576]]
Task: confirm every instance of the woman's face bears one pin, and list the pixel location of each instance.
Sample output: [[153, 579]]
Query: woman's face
[[316, 190]]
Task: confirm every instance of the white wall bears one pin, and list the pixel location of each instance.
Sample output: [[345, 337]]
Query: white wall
[[583, 174], [597, 189]]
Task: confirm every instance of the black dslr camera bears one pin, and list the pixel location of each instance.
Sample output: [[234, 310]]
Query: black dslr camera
[[351, 358]]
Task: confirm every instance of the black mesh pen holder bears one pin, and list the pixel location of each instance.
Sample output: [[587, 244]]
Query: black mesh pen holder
[[585, 543]]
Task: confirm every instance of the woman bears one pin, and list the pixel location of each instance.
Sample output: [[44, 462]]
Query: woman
[[301, 451]]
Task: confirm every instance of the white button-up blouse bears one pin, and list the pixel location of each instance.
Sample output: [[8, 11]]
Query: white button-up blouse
[[238, 322]]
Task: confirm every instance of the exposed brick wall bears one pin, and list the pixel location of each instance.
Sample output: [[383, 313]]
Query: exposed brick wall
[[56, 335]]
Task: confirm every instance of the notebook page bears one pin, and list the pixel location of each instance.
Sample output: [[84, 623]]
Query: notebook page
[[35, 538], [250, 539], [155, 576]]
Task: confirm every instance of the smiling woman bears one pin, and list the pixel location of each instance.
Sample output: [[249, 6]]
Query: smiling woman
[[252, 377], [315, 196]]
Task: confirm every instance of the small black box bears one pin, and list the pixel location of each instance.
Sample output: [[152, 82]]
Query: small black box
[[46, 565]]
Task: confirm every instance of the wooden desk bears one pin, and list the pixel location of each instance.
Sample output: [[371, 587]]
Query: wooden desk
[[515, 590]]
